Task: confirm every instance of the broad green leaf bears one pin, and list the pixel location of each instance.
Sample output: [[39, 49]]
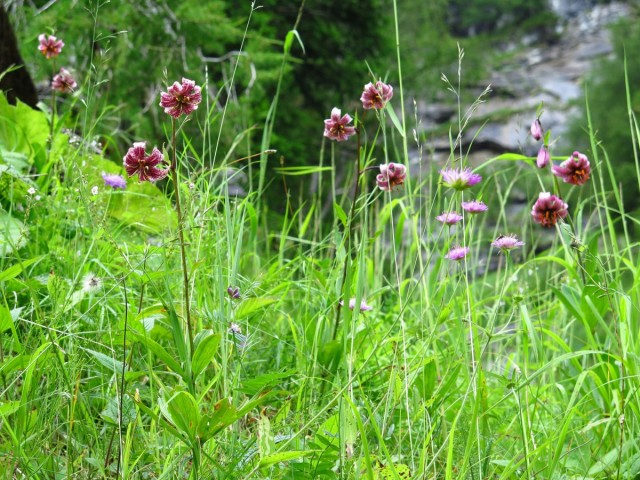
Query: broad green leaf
[[339, 212], [255, 385], [221, 416], [13, 234], [394, 119], [206, 347], [252, 305], [274, 458], [111, 412], [15, 270], [182, 410], [159, 351], [106, 361]]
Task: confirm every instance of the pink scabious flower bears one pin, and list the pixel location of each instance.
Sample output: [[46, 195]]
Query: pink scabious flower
[[181, 99], [459, 178], [575, 170], [536, 129], [376, 96], [543, 157], [449, 218], [548, 209], [64, 82], [136, 161], [390, 176], [114, 181], [352, 304], [507, 242], [474, 206], [457, 253], [50, 46], [336, 128]]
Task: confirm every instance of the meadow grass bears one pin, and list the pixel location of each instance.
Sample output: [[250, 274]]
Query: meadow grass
[[499, 365]]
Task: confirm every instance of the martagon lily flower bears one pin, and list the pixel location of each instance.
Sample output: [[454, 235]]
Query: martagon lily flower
[[548, 209], [542, 160], [390, 176], [337, 127], [376, 96], [181, 99], [459, 178], [575, 170], [136, 161], [64, 82], [49, 45]]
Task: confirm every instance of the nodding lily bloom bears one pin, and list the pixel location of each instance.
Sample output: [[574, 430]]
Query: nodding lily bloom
[[575, 170], [376, 96], [181, 99], [543, 157], [136, 161], [390, 176], [548, 209], [459, 178], [507, 242], [352, 304], [64, 82], [50, 46], [474, 206], [337, 127], [536, 129], [114, 181], [449, 218], [457, 253]]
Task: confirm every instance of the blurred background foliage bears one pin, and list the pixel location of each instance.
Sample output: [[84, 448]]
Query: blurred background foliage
[[125, 53]]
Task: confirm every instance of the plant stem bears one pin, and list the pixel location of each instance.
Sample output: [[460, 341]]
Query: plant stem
[[183, 255]]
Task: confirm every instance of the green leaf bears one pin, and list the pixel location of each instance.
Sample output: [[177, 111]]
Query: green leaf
[[13, 234], [159, 351], [106, 361], [251, 305], [111, 412], [222, 415], [339, 212], [274, 458], [255, 385], [394, 119], [206, 347], [15, 270], [182, 410]]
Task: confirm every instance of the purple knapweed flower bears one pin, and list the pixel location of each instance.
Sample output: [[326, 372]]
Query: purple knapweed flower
[[336, 128], [114, 181], [181, 99], [459, 178], [548, 209], [575, 170], [50, 46], [136, 161], [543, 157], [390, 176], [457, 253], [64, 82], [474, 206], [507, 242], [233, 292], [449, 218], [376, 96], [536, 129], [352, 304]]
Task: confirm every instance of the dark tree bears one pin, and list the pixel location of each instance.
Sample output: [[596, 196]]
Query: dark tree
[[17, 84]]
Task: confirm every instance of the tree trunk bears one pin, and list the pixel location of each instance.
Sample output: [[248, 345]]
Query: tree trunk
[[16, 84]]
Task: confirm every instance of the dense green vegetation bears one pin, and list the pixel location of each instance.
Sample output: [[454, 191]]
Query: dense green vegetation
[[189, 329]]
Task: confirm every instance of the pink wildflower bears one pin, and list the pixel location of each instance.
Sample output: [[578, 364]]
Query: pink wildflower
[[507, 242], [548, 209], [376, 96], [575, 170], [459, 178], [181, 99], [336, 128], [457, 253], [352, 304], [474, 206], [50, 46], [114, 181], [449, 218], [543, 157], [64, 82], [536, 129], [390, 176], [136, 161]]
